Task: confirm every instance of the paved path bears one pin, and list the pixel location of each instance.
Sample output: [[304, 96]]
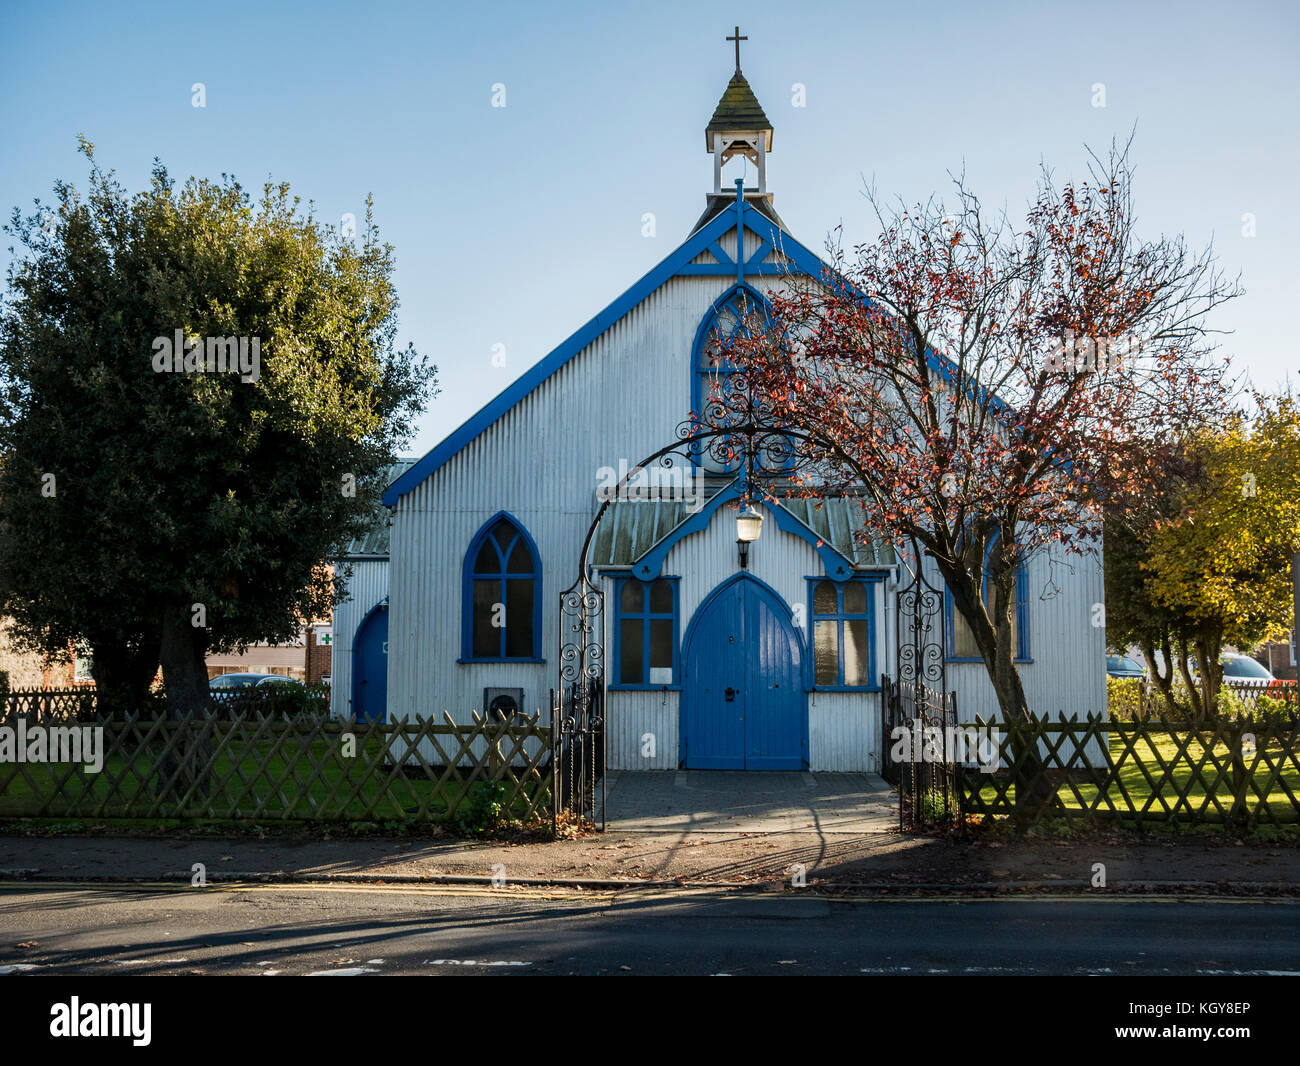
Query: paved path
[[719, 802]]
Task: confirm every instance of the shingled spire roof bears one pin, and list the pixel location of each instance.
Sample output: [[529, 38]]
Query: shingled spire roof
[[738, 109]]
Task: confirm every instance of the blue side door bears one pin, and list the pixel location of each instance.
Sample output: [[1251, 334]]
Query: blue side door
[[743, 704], [370, 667]]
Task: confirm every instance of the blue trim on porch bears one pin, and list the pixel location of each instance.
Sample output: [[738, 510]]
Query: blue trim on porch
[[648, 566]]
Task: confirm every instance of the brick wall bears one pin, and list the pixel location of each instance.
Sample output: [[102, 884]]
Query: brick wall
[[25, 670], [318, 658]]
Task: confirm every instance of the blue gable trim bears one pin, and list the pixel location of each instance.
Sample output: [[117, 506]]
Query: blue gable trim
[[678, 263], [648, 567], [674, 264]]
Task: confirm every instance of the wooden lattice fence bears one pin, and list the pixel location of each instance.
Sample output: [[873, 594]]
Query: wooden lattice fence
[[1148, 770], [76, 704], [268, 766]]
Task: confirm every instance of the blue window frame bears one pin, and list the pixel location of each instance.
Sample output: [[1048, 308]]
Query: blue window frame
[[645, 634], [732, 314], [843, 638], [959, 640], [501, 606]]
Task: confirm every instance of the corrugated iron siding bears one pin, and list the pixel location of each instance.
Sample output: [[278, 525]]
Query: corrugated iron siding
[[621, 398], [367, 586], [1067, 674]]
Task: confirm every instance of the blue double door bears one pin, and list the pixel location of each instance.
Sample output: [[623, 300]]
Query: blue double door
[[743, 703]]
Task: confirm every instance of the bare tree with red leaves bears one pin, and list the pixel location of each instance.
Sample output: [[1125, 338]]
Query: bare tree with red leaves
[[968, 378]]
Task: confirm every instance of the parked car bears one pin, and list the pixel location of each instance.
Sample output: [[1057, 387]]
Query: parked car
[[1238, 669], [1123, 667], [260, 693], [242, 682], [1243, 669]]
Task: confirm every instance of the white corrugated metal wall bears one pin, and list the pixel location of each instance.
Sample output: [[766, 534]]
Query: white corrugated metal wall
[[1067, 672], [367, 586], [620, 399]]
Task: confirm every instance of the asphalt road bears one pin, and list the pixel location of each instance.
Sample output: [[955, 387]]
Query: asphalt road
[[354, 930]]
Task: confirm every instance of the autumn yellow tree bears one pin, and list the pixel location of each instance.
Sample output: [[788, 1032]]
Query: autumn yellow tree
[[1217, 566]]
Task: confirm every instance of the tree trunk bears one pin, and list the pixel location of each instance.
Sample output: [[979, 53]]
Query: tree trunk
[[1034, 793], [123, 675], [1209, 643], [185, 681], [1193, 689], [1164, 681]]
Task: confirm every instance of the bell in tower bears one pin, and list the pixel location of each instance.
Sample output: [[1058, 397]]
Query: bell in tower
[[739, 127]]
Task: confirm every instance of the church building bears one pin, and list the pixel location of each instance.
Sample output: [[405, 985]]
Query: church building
[[730, 643]]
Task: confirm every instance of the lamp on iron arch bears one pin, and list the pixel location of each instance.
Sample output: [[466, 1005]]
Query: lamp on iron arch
[[749, 524]]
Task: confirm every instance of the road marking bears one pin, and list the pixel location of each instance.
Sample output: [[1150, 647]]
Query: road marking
[[144, 962], [17, 967], [472, 962], [351, 971]]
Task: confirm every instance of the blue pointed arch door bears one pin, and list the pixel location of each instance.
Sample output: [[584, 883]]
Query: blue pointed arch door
[[743, 700], [370, 667]]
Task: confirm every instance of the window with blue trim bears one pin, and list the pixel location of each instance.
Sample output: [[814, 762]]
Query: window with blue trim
[[502, 605], [961, 639], [738, 313], [646, 633], [844, 634]]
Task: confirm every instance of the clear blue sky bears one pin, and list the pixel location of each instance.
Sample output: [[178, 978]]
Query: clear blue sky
[[515, 225]]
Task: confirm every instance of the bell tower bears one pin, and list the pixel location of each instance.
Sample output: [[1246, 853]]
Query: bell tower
[[739, 127]]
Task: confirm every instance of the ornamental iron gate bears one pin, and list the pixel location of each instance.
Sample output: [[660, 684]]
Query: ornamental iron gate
[[915, 704], [920, 632], [578, 706], [918, 729]]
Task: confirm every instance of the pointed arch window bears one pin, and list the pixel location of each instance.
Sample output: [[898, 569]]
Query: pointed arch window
[[502, 602], [741, 312]]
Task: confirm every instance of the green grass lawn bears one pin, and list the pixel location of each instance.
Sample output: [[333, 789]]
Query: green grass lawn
[[1155, 773], [344, 789]]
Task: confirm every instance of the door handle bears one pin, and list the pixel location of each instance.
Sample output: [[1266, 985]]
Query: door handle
[[730, 695]]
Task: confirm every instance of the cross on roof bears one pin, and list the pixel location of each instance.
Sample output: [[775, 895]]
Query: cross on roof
[[738, 38]]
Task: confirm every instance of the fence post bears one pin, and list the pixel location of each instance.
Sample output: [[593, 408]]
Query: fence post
[[555, 769], [1236, 731]]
